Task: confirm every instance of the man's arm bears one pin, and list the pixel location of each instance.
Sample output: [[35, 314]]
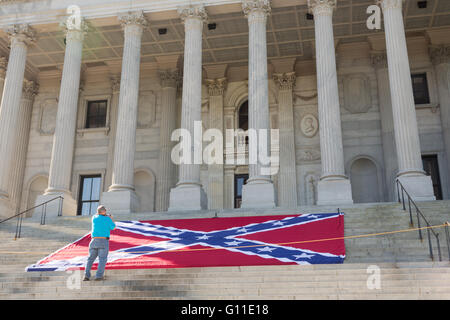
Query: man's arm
[[113, 224]]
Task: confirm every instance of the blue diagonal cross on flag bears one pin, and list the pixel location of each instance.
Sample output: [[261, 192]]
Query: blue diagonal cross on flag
[[213, 242]]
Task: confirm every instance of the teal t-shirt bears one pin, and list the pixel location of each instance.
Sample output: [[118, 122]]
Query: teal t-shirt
[[101, 226]]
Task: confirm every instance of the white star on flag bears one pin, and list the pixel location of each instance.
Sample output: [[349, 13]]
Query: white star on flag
[[242, 230], [303, 255], [233, 243], [278, 223], [266, 249], [312, 216], [203, 237]]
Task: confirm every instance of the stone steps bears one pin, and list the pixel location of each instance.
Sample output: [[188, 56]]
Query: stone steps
[[414, 278]]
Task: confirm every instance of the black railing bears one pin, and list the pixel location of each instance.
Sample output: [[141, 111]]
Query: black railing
[[43, 214], [419, 215]]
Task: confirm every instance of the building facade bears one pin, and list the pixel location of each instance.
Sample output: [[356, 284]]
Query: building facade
[[92, 92]]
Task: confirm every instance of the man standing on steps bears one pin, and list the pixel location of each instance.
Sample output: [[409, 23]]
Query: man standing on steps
[[102, 224]]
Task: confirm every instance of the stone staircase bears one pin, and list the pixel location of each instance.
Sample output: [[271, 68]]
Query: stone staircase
[[407, 271]]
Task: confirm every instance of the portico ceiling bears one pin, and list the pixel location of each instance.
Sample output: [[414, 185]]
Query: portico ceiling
[[289, 34]]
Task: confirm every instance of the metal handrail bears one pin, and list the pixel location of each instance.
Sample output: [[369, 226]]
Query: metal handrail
[[43, 214], [419, 215]]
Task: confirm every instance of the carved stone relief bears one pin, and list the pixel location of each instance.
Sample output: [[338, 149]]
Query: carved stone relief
[[308, 155], [47, 121], [310, 189], [309, 125], [146, 110], [303, 98], [357, 95]]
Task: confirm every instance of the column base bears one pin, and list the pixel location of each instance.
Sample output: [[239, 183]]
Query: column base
[[258, 195], [123, 201], [334, 192], [188, 197], [68, 207], [418, 186]]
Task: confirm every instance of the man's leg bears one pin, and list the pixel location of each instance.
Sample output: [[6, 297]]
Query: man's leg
[[93, 253], [102, 259]]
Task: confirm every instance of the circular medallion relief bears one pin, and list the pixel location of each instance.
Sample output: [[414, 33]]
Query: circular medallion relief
[[309, 125]]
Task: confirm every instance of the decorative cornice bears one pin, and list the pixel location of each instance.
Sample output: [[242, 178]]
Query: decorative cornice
[[390, 4], [260, 6], [285, 81], [115, 84], [193, 12], [216, 87], [29, 89], [321, 7], [21, 33], [379, 60], [133, 18], [440, 54], [169, 78], [81, 86]]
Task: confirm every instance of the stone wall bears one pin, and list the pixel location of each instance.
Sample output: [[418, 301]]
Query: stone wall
[[360, 113]]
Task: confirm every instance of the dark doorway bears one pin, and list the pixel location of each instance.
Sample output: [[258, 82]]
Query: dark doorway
[[89, 195], [431, 167], [239, 181]]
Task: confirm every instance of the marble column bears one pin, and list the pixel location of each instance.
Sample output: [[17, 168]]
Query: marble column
[[167, 169], [216, 88], [66, 120], [20, 36], [440, 56], [334, 187], [259, 190], [379, 62], [189, 193], [22, 133], [121, 196], [115, 89], [2, 76], [411, 173], [287, 176]]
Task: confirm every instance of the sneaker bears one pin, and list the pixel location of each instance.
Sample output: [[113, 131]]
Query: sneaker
[[85, 278], [99, 279]]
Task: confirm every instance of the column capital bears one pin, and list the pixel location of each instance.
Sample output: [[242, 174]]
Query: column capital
[[133, 18], [115, 84], [258, 8], [74, 30], [30, 89], [321, 7], [23, 33], [379, 59], [216, 87], [440, 54], [285, 81], [169, 78], [192, 12], [390, 4]]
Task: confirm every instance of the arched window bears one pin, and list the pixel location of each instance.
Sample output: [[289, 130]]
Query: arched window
[[243, 123], [243, 116]]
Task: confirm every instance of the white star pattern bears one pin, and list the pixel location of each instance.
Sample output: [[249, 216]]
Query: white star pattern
[[303, 255], [278, 223], [233, 243], [312, 216], [266, 249], [242, 230], [203, 237]]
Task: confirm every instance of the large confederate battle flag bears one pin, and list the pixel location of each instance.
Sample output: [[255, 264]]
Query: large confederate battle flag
[[211, 242]]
